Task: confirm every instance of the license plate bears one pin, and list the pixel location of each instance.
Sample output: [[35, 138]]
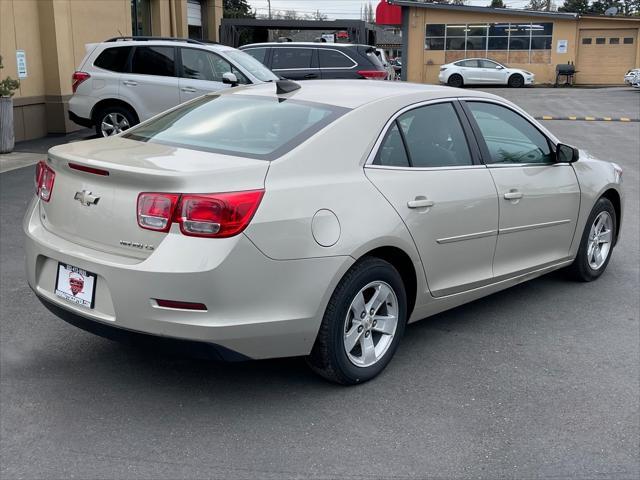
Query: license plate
[[76, 285]]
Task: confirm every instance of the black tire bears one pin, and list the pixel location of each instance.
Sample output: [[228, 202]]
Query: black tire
[[516, 81], [580, 269], [117, 110], [455, 80], [328, 357]]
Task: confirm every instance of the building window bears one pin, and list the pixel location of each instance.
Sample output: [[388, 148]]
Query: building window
[[141, 17], [600, 41], [194, 19], [523, 37], [586, 41], [628, 40], [614, 41]]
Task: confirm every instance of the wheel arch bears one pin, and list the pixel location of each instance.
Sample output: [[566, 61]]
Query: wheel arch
[[402, 262], [108, 102], [613, 196]]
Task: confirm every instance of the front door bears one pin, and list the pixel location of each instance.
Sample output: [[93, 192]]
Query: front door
[[201, 73], [539, 198], [428, 172], [492, 72]]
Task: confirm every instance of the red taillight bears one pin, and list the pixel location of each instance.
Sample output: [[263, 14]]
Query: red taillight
[[45, 176], [155, 210], [77, 78], [373, 74], [216, 215]]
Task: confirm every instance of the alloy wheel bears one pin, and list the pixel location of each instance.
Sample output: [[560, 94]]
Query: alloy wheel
[[113, 123], [371, 324], [600, 238]]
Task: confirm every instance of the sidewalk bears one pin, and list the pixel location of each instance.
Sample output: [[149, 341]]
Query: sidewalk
[[31, 152]]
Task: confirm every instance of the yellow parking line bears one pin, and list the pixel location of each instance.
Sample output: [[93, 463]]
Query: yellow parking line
[[608, 119], [590, 119], [625, 119], [547, 117], [572, 118]]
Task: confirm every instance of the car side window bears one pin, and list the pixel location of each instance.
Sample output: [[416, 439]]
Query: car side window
[[468, 63], [196, 65], [509, 137], [392, 152], [114, 59], [154, 61], [334, 59], [487, 64], [222, 66], [287, 58], [434, 137], [259, 54]]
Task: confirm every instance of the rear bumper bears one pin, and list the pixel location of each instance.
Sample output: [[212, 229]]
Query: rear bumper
[[85, 122], [256, 306]]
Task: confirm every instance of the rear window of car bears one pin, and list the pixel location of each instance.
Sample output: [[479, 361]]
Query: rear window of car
[[250, 126], [114, 59], [330, 58], [158, 60]]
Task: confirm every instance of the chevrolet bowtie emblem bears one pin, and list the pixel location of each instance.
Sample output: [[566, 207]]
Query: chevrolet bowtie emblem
[[86, 198]]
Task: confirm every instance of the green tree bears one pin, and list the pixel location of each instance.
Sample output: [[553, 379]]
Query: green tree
[[8, 86], [575, 6], [538, 5], [237, 9], [497, 4]]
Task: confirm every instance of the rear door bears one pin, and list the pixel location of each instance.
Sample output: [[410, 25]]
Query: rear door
[[336, 63], [295, 63], [152, 84], [539, 199], [431, 174], [202, 71]]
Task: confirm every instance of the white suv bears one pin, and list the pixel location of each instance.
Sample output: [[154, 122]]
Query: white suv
[[126, 80]]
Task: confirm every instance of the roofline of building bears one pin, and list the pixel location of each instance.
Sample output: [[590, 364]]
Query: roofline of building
[[294, 24], [475, 9]]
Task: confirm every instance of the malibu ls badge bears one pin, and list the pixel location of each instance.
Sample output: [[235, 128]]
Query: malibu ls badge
[[86, 198]]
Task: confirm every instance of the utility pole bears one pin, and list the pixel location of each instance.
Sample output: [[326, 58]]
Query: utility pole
[[269, 2]]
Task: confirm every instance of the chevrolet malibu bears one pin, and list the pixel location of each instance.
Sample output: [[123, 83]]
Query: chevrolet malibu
[[316, 220]]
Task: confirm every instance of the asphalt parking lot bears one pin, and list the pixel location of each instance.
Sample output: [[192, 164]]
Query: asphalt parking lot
[[539, 381]]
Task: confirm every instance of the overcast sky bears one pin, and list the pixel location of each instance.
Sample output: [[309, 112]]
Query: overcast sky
[[341, 8]]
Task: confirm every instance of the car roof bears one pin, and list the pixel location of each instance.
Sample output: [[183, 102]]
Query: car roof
[[167, 42], [305, 44], [356, 93]]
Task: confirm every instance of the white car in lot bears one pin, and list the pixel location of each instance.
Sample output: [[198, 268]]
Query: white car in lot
[[126, 80], [482, 71], [632, 77], [316, 220]]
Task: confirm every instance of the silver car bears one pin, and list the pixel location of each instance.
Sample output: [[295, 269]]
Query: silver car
[[277, 220]]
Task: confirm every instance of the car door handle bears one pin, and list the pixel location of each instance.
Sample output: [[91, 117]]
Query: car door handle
[[188, 89], [513, 195], [129, 83], [420, 202], [311, 75]]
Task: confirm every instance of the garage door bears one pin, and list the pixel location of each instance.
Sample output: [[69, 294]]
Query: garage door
[[604, 56]]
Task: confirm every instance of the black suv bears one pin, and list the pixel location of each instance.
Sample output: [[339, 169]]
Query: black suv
[[306, 61]]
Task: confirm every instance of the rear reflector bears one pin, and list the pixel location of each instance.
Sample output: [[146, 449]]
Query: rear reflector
[[87, 169], [373, 74], [155, 210], [181, 305], [77, 78], [45, 177]]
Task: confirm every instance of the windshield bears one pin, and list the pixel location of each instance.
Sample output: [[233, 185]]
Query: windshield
[[253, 66], [242, 125]]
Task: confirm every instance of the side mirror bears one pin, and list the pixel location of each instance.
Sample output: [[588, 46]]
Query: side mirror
[[230, 79], [499, 67], [566, 153]]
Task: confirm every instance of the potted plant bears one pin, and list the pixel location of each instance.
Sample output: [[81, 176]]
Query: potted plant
[[8, 86]]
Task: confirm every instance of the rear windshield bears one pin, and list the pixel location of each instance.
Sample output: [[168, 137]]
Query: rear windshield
[[264, 128]]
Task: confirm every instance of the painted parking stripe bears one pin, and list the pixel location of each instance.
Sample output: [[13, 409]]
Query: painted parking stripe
[[589, 118]]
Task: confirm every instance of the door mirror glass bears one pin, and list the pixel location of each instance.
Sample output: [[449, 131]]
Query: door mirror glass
[[230, 79], [499, 67], [566, 153]]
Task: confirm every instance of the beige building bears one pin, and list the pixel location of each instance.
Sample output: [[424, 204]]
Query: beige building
[[43, 41], [602, 48]]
